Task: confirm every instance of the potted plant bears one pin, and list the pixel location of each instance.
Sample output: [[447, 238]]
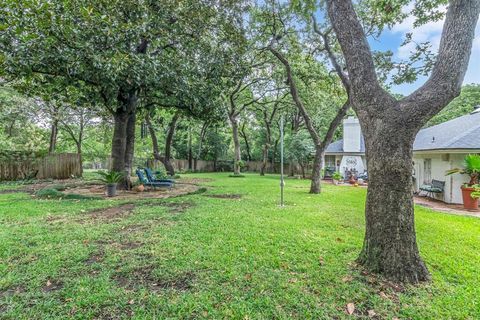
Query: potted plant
[[470, 190], [111, 179], [336, 177]]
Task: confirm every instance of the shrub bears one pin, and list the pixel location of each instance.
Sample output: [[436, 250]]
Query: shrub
[[58, 187], [337, 176], [51, 193], [236, 176]]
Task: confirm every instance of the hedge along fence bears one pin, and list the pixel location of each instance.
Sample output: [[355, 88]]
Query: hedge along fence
[[16, 165]]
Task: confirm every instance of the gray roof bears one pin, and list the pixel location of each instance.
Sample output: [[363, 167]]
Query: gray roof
[[459, 133], [337, 146]]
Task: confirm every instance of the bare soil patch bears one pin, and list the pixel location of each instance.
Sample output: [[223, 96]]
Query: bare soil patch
[[112, 213], [123, 245], [95, 257], [128, 245], [55, 218], [99, 191], [177, 207], [224, 196], [12, 291], [52, 285], [145, 277], [132, 228], [65, 185]]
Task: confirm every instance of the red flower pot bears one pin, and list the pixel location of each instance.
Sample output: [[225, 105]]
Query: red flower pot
[[469, 203]]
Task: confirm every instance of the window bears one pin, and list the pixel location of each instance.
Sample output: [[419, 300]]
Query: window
[[330, 161], [427, 171]]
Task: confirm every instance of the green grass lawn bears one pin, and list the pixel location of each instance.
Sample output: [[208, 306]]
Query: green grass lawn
[[213, 257]]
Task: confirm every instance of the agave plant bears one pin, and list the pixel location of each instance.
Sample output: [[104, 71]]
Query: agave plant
[[111, 177], [471, 166]]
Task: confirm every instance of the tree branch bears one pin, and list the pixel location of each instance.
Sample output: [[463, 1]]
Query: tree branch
[[295, 95], [451, 64], [331, 55], [361, 69], [334, 125]]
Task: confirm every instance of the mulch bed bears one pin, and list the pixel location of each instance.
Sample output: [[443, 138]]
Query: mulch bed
[[99, 191]]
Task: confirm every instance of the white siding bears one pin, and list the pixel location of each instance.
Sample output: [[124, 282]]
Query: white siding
[[440, 164], [351, 135]]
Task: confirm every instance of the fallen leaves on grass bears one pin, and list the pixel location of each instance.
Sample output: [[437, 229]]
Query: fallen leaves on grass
[[350, 308], [52, 285], [321, 261]]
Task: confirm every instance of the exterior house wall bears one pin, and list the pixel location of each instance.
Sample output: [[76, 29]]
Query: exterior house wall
[[340, 163], [457, 180], [352, 162], [351, 135], [438, 148], [440, 163], [351, 156]]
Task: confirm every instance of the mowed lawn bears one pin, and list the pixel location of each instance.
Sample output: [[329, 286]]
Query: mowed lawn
[[234, 257]]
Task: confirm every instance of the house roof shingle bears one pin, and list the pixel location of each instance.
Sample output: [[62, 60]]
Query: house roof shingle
[[337, 146], [459, 133]]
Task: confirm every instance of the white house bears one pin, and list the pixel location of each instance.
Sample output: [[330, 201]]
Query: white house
[[347, 154], [436, 149]]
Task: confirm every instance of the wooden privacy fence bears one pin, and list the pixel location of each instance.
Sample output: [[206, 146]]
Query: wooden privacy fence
[[225, 166], [181, 165], [57, 166]]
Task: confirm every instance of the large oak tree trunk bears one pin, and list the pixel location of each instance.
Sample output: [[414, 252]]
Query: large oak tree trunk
[[291, 169], [123, 144], [203, 133], [315, 185], [190, 152], [53, 136], [247, 144], [129, 148], [390, 244], [264, 160], [124, 136], [266, 146], [273, 169], [236, 145], [390, 127], [165, 160], [80, 157], [119, 140]]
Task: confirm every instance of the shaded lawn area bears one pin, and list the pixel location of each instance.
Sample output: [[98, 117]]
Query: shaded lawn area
[[239, 257]]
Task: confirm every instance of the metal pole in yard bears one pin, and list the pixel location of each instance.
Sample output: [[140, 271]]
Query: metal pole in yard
[[282, 182]]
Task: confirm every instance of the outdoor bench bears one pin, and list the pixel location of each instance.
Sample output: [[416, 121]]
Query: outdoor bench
[[435, 187]]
